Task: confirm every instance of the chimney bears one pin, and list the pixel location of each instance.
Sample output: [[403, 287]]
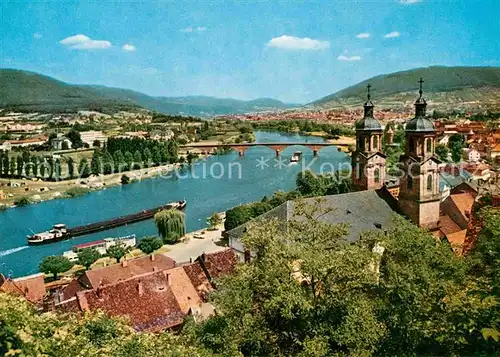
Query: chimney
[[152, 257], [169, 279], [124, 263], [155, 269], [140, 288]]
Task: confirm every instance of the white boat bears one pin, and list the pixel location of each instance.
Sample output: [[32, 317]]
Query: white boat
[[296, 157]]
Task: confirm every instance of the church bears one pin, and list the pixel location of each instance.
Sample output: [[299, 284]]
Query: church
[[373, 204]]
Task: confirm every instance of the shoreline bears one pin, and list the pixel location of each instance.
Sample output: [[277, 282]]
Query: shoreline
[[50, 190]]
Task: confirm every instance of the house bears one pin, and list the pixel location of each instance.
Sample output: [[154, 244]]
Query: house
[[473, 155], [458, 207], [60, 143], [152, 292], [128, 268], [35, 141], [31, 287], [91, 136]]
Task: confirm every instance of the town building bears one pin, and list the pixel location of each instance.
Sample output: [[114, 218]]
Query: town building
[[152, 291], [31, 287], [35, 141], [60, 142], [92, 136]]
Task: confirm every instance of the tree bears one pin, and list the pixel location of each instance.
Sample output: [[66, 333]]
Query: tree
[[83, 168], [129, 160], [55, 264], [87, 257], [117, 251], [108, 163], [119, 160], [442, 152], [26, 332], [456, 151], [309, 292], [75, 138], [214, 220], [12, 167], [137, 160], [156, 155], [125, 180], [96, 163], [71, 167], [149, 244], [34, 165], [19, 165], [147, 157], [236, 216], [170, 224]]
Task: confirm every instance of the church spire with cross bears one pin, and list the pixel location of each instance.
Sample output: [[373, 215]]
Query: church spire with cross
[[368, 104], [420, 103]]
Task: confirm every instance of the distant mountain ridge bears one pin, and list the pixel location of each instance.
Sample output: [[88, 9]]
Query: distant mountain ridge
[[442, 84], [24, 90]]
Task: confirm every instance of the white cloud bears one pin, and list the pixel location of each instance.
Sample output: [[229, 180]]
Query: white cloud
[[347, 58], [392, 34], [37, 35], [363, 35], [409, 2], [82, 42], [298, 43], [128, 47], [194, 29]]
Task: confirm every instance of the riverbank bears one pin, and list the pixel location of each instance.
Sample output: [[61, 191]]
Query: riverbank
[[38, 191]]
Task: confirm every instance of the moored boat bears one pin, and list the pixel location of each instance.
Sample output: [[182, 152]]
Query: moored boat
[[61, 232], [296, 156]]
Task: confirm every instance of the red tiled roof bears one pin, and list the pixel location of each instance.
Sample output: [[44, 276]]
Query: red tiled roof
[[457, 238], [183, 289], [31, 287], [464, 202], [198, 278], [147, 300], [126, 270], [89, 244], [219, 263], [447, 225]]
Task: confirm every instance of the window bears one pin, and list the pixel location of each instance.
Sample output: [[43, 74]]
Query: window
[[375, 142], [412, 144], [409, 183], [377, 175], [429, 146], [429, 183]]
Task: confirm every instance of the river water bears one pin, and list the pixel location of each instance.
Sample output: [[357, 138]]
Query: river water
[[211, 185]]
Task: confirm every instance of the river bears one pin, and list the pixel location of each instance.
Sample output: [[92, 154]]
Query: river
[[211, 185]]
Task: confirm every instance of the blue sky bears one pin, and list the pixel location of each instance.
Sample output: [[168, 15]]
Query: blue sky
[[291, 50]]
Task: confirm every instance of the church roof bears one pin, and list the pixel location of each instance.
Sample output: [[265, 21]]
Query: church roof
[[368, 123], [361, 211], [420, 124]]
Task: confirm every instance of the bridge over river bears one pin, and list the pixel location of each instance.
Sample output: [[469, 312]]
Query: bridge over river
[[277, 147]]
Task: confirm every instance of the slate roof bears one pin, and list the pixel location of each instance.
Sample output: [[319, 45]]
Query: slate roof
[[125, 270], [368, 123], [362, 211], [420, 124]]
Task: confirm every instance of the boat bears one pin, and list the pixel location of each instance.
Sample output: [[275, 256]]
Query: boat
[[296, 157], [62, 232]]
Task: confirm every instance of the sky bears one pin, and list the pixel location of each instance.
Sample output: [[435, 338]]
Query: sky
[[295, 51]]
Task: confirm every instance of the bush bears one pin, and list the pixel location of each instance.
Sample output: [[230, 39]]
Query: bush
[[76, 191], [22, 201], [149, 244], [125, 180]]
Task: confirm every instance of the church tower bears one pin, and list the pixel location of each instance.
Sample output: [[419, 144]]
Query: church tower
[[368, 161], [419, 196]]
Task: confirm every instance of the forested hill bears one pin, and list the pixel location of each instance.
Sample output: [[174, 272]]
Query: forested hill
[[445, 84], [23, 90]]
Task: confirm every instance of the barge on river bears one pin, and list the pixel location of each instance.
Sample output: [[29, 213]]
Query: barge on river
[[61, 232]]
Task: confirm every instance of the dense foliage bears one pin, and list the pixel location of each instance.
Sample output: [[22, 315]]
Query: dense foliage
[[149, 244], [88, 256], [308, 292], [171, 225], [55, 264]]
